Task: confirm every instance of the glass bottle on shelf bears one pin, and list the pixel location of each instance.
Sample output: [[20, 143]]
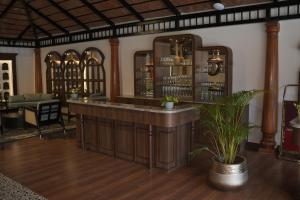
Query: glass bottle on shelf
[[143, 73], [174, 67]]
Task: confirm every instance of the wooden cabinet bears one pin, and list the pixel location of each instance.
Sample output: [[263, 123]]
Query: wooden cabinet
[[183, 67], [213, 75], [174, 65], [143, 73]]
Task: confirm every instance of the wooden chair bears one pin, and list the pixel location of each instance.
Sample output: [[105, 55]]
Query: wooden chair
[[46, 113]]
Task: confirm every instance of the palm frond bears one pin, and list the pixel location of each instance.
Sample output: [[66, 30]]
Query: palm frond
[[224, 123]]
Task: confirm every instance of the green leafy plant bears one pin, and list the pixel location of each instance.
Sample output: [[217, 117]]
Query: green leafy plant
[[166, 99], [75, 90], [224, 123]]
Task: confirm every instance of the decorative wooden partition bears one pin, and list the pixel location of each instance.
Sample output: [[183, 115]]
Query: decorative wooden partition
[[54, 73], [72, 70], [93, 71], [72, 73]]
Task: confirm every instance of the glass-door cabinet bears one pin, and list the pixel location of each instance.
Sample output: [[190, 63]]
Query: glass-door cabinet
[[143, 73], [213, 75], [174, 61]]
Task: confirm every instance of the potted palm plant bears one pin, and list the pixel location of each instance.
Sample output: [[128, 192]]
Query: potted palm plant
[[169, 101], [226, 131]]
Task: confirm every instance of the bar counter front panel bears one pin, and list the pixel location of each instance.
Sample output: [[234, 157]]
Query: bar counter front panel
[[144, 134]]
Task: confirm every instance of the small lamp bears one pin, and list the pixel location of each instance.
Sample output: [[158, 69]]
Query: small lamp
[[218, 5]]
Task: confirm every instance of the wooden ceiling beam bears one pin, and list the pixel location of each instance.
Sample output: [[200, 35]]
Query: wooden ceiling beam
[[28, 14], [7, 8], [171, 7], [98, 13], [42, 30], [24, 31], [72, 17], [48, 19], [132, 10]]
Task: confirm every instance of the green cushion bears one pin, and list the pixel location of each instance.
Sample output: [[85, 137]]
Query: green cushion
[[32, 97], [46, 96], [16, 98]]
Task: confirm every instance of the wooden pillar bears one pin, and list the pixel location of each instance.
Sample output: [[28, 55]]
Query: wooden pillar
[[38, 71], [270, 104], [115, 76]]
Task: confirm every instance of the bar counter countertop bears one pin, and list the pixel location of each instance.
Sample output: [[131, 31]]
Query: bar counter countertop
[[145, 134]]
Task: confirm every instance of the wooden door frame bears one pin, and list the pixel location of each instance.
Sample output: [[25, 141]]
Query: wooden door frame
[[12, 57]]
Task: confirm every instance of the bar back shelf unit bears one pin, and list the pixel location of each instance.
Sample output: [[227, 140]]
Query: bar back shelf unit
[[143, 73], [213, 76], [174, 61]]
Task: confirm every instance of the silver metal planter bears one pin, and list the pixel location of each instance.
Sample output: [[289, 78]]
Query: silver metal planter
[[229, 176]]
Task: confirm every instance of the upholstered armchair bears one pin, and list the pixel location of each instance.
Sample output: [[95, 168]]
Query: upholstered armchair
[[44, 114]]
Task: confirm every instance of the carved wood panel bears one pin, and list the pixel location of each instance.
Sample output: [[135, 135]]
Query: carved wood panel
[[72, 75], [105, 136], [72, 70], [124, 139], [93, 71], [54, 73]]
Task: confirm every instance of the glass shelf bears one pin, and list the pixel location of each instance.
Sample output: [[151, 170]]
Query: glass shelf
[[143, 73], [174, 65]]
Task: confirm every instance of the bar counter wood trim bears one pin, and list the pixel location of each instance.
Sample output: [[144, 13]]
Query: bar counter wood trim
[[155, 137]]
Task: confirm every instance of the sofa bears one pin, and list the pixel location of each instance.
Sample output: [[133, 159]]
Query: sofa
[[24, 100]]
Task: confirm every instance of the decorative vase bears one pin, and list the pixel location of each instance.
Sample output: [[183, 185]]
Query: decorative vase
[[74, 96], [169, 105], [229, 176]]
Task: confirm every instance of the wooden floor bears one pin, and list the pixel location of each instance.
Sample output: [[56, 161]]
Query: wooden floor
[[58, 169]]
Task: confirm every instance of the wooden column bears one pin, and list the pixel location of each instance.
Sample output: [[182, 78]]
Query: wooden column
[[38, 71], [270, 105], [115, 76]]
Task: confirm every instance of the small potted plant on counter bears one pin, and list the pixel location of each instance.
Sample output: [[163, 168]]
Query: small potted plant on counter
[[169, 101], [74, 93], [226, 130]]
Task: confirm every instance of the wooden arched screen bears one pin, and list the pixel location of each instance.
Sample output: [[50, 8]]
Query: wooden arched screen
[[93, 71], [54, 73], [72, 72]]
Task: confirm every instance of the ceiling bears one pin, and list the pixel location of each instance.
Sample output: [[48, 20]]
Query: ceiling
[[35, 19]]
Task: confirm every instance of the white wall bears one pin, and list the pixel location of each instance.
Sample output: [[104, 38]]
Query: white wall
[[248, 43], [25, 68]]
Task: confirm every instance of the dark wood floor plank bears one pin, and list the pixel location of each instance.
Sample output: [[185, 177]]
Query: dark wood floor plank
[[58, 169]]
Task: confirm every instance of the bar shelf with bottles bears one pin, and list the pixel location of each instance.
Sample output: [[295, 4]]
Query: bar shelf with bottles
[[174, 62], [143, 73], [214, 73]]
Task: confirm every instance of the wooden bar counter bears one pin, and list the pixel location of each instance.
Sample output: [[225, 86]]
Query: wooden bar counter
[[143, 134]]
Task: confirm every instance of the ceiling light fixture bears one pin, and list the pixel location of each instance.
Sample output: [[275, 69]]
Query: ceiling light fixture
[[218, 5]]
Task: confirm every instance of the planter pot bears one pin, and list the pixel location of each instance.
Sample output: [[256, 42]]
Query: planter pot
[[229, 176], [74, 96], [169, 105]]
